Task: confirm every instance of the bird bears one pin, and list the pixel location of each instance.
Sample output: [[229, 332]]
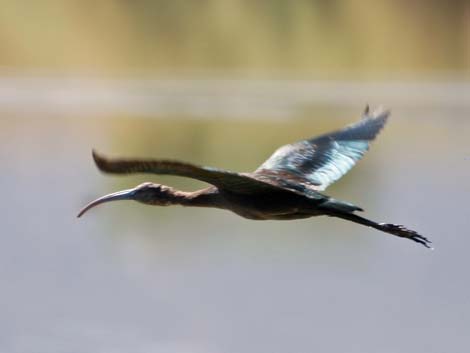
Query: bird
[[287, 186]]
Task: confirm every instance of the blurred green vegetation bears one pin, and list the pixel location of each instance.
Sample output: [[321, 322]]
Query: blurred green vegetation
[[310, 37]]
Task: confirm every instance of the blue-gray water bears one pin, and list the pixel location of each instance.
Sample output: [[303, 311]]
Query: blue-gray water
[[131, 278]]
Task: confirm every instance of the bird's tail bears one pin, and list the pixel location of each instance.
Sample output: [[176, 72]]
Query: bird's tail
[[341, 206], [395, 229]]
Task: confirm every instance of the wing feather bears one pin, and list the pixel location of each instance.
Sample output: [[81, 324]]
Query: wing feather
[[320, 161], [230, 181]]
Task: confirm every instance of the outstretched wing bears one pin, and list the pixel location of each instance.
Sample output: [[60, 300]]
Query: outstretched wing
[[320, 161], [230, 181]]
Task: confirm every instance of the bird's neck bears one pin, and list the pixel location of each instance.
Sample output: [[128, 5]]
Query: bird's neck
[[208, 197], [201, 198]]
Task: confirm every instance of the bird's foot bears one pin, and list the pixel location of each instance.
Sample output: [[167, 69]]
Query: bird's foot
[[403, 232]]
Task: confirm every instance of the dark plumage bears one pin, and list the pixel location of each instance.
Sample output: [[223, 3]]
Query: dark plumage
[[284, 187]]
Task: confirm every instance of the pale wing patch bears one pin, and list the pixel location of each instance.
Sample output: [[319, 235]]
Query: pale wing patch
[[338, 160], [318, 162]]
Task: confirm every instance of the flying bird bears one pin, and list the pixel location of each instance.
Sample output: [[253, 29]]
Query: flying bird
[[286, 186]]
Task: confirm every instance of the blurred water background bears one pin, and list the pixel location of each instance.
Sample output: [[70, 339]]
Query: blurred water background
[[224, 83]]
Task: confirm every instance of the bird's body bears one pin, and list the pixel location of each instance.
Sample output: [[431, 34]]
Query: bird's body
[[285, 187], [275, 206]]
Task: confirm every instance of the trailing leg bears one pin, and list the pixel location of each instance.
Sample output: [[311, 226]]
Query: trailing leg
[[395, 229]]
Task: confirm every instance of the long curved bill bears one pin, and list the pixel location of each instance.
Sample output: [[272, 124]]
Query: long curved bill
[[115, 196]]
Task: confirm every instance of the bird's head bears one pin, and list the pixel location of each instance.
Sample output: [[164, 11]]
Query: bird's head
[[148, 193]]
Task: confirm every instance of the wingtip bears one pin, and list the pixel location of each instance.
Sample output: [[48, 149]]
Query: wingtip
[[94, 154], [100, 161], [379, 113]]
